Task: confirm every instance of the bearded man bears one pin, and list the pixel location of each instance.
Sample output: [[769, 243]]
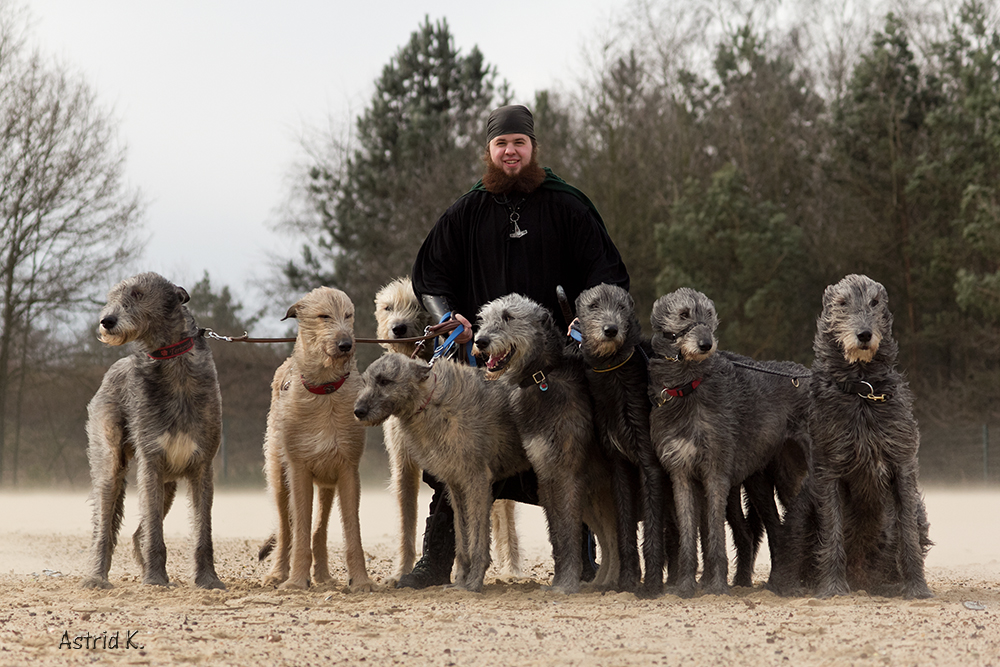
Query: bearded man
[[521, 229]]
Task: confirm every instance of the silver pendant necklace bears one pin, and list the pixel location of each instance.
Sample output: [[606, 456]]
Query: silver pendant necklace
[[515, 215]]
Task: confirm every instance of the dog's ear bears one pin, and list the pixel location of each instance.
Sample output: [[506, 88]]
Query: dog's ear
[[423, 372], [182, 295], [293, 311]]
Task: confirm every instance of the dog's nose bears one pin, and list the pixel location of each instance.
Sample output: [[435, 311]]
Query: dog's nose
[[865, 336], [345, 345], [360, 412], [399, 330], [109, 322], [483, 342], [705, 344], [610, 331]]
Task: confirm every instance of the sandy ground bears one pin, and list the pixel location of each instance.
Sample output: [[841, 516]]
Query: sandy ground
[[515, 621]]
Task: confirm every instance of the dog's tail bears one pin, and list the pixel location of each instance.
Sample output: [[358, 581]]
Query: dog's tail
[[507, 547], [266, 548]]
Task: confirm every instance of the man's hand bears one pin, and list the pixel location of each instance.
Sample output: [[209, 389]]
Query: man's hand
[[466, 334]]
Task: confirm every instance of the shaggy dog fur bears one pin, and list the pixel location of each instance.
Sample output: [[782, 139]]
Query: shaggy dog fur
[[717, 423], [871, 529], [313, 438], [617, 359], [457, 427], [161, 406], [399, 315], [553, 412]]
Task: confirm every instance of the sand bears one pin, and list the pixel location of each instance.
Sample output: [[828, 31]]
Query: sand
[[43, 611]]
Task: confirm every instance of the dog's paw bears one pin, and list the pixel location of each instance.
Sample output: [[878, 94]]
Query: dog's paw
[[96, 582], [367, 586], [294, 585], [650, 591], [273, 580], [158, 580], [210, 582], [917, 591]]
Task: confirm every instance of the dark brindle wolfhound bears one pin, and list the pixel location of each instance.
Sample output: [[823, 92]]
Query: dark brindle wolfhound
[[161, 406], [553, 412], [617, 359], [870, 527], [721, 419]]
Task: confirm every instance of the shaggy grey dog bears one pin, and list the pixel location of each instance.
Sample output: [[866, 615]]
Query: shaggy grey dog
[[459, 428], [720, 418], [617, 358], [161, 406], [554, 415], [872, 530]]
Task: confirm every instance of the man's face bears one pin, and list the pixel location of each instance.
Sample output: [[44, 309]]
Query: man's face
[[511, 152]]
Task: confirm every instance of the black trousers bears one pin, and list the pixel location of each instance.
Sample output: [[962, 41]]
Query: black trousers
[[522, 487]]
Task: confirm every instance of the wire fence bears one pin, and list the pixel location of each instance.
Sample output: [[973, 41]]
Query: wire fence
[[967, 453]]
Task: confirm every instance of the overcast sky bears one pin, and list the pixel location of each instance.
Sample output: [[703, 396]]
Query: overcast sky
[[213, 97]]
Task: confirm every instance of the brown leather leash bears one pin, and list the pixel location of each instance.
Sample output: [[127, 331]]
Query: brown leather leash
[[429, 333]]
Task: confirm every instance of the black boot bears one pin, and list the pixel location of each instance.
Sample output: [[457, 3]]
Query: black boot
[[434, 566]]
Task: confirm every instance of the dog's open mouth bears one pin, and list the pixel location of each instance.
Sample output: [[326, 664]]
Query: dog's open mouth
[[496, 365]]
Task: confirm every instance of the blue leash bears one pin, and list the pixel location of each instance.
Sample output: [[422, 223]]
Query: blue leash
[[445, 347]]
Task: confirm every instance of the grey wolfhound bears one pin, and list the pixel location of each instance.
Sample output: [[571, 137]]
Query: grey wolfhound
[[399, 315], [718, 422], [161, 406], [554, 415], [617, 359], [872, 529], [456, 426], [313, 439]]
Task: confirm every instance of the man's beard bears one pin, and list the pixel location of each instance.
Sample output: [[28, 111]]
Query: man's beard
[[498, 182]]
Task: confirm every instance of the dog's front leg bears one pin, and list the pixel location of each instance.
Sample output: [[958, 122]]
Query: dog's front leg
[[300, 488], [406, 487], [715, 579], [687, 525], [912, 555], [456, 496], [202, 498], [624, 482], [320, 554], [832, 558], [561, 501], [108, 498], [349, 493], [654, 485], [278, 485], [149, 478]]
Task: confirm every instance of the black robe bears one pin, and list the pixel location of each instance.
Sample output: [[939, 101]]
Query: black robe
[[470, 259]]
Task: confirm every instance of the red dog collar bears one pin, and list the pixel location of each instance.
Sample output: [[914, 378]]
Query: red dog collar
[[171, 351]]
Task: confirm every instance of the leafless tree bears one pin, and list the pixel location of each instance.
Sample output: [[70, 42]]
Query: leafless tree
[[67, 217]]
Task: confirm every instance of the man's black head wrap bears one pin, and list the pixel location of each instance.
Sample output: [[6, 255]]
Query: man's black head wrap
[[511, 119]]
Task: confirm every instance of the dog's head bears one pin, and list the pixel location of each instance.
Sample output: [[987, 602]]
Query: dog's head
[[391, 385], [855, 319], [326, 327], [608, 322], [684, 324], [146, 306], [399, 315], [517, 335]]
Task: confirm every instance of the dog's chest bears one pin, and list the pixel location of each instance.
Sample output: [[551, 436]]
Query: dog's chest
[[178, 450]]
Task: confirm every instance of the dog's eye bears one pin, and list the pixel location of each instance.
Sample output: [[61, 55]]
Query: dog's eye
[[323, 316], [136, 294], [348, 316], [874, 302], [593, 306], [506, 317], [382, 381], [387, 309], [685, 314]]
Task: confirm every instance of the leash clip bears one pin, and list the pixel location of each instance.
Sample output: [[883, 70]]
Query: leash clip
[[880, 398]]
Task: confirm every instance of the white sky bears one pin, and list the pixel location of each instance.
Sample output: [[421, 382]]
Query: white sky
[[214, 95]]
